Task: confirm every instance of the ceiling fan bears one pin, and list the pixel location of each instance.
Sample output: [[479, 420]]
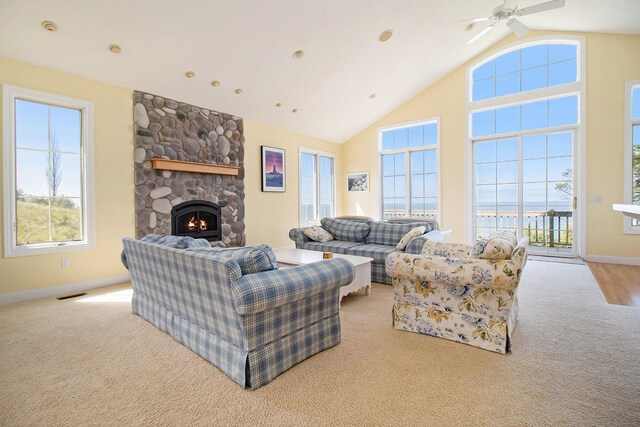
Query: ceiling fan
[[509, 12]]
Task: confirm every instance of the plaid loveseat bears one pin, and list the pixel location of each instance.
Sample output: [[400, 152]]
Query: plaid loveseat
[[252, 327], [374, 239]]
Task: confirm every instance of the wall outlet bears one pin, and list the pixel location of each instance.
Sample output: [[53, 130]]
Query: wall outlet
[[64, 262], [596, 198]]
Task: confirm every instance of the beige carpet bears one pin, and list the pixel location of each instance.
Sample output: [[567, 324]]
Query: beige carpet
[[575, 361]]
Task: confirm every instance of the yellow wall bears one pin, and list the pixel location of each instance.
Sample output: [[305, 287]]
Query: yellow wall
[[270, 216], [611, 61], [113, 181]]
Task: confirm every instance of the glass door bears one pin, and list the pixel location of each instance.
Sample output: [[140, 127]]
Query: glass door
[[524, 184]]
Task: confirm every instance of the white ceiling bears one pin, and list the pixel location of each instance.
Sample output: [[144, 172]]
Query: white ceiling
[[248, 44]]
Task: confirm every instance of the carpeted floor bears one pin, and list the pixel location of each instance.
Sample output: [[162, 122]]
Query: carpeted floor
[[575, 361]]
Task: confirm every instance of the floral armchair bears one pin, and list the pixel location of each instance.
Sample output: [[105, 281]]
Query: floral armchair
[[449, 293]]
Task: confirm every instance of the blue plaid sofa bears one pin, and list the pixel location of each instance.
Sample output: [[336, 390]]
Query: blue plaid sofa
[[368, 238], [251, 326]]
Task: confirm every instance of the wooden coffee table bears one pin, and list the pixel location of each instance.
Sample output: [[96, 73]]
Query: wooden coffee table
[[290, 257]]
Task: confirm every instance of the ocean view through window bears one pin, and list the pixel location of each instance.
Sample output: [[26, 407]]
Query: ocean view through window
[[317, 186], [409, 170], [524, 115]]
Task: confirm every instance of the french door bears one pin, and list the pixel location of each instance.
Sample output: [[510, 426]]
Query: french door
[[524, 183]]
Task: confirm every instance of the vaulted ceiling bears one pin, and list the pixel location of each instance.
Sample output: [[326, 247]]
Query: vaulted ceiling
[[248, 45]]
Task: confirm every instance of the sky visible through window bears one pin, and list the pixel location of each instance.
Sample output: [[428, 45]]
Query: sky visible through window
[[534, 67], [422, 177], [39, 127], [48, 173]]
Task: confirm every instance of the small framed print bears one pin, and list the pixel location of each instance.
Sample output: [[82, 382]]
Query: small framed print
[[357, 182], [273, 169]]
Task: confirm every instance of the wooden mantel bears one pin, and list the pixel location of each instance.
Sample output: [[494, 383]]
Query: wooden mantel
[[178, 165]]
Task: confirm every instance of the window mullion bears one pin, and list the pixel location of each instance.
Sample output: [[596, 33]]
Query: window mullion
[[407, 182]]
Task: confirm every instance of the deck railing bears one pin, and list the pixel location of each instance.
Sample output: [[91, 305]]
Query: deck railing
[[552, 229]]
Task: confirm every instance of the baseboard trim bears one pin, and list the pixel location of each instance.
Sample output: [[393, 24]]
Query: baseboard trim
[[62, 290], [613, 259]]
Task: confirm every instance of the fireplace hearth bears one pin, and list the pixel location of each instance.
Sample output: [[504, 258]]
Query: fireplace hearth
[[198, 219]]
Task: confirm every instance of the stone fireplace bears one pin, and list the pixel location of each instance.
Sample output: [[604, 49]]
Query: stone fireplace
[[178, 132]]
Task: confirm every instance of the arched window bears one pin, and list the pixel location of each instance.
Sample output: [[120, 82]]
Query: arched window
[[524, 116]]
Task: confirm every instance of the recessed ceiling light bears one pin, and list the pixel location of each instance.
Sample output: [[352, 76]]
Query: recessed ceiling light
[[373, 95], [295, 110], [114, 48], [238, 91], [215, 83], [49, 26], [279, 104], [298, 54], [190, 74], [385, 35]]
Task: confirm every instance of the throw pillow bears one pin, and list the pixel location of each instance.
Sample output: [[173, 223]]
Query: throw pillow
[[318, 234], [499, 245], [412, 234], [250, 259]]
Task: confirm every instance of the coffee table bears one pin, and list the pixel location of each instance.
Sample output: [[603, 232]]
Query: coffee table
[[288, 257]]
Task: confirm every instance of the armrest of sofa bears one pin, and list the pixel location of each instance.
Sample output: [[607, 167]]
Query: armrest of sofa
[[297, 235], [500, 274], [258, 292]]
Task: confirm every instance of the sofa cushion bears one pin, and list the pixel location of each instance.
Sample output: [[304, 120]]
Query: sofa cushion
[[346, 230], [251, 259], [377, 252], [387, 233], [318, 234], [178, 242], [337, 246]]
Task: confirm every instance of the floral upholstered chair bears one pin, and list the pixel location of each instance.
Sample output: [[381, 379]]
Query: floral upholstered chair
[[464, 293]]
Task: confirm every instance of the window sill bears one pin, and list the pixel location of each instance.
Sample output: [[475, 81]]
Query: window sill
[[46, 248]]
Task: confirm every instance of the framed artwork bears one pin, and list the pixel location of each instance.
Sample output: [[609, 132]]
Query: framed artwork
[[358, 181], [273, 169]]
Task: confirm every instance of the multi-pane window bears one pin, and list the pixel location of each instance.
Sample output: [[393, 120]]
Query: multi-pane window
[[48, 145], [521, 70], [632, 122], [409, 171], [317, 186], [523, 146]]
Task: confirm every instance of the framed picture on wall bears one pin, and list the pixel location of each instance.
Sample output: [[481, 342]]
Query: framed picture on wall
[[273, 169], [358, 182]]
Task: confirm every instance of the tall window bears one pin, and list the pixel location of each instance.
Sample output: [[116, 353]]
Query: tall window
[[317, 186], [632, 152], [409, 161], [47, 146], [524, 115]]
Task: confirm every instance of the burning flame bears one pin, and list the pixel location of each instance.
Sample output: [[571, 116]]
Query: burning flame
[[192, 225]]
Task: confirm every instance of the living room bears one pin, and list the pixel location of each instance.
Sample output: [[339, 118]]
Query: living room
[[395, 116]]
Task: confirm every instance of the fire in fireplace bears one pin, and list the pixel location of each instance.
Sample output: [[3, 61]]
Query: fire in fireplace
[[196, 218]]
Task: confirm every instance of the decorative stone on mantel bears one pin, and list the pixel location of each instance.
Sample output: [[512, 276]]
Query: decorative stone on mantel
[[172, 130]]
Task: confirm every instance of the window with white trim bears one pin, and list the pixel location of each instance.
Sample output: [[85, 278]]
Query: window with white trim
[[524, 117], [632, 152], [317, 186], [47, 158], [409, 166]]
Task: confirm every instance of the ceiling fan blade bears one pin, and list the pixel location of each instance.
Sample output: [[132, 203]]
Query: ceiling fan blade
[[542, 7], [517, 27], [482, 33], [476, 19], [510, 4]]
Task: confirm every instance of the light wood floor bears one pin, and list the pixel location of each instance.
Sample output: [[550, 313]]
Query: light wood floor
[[620, 284]]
